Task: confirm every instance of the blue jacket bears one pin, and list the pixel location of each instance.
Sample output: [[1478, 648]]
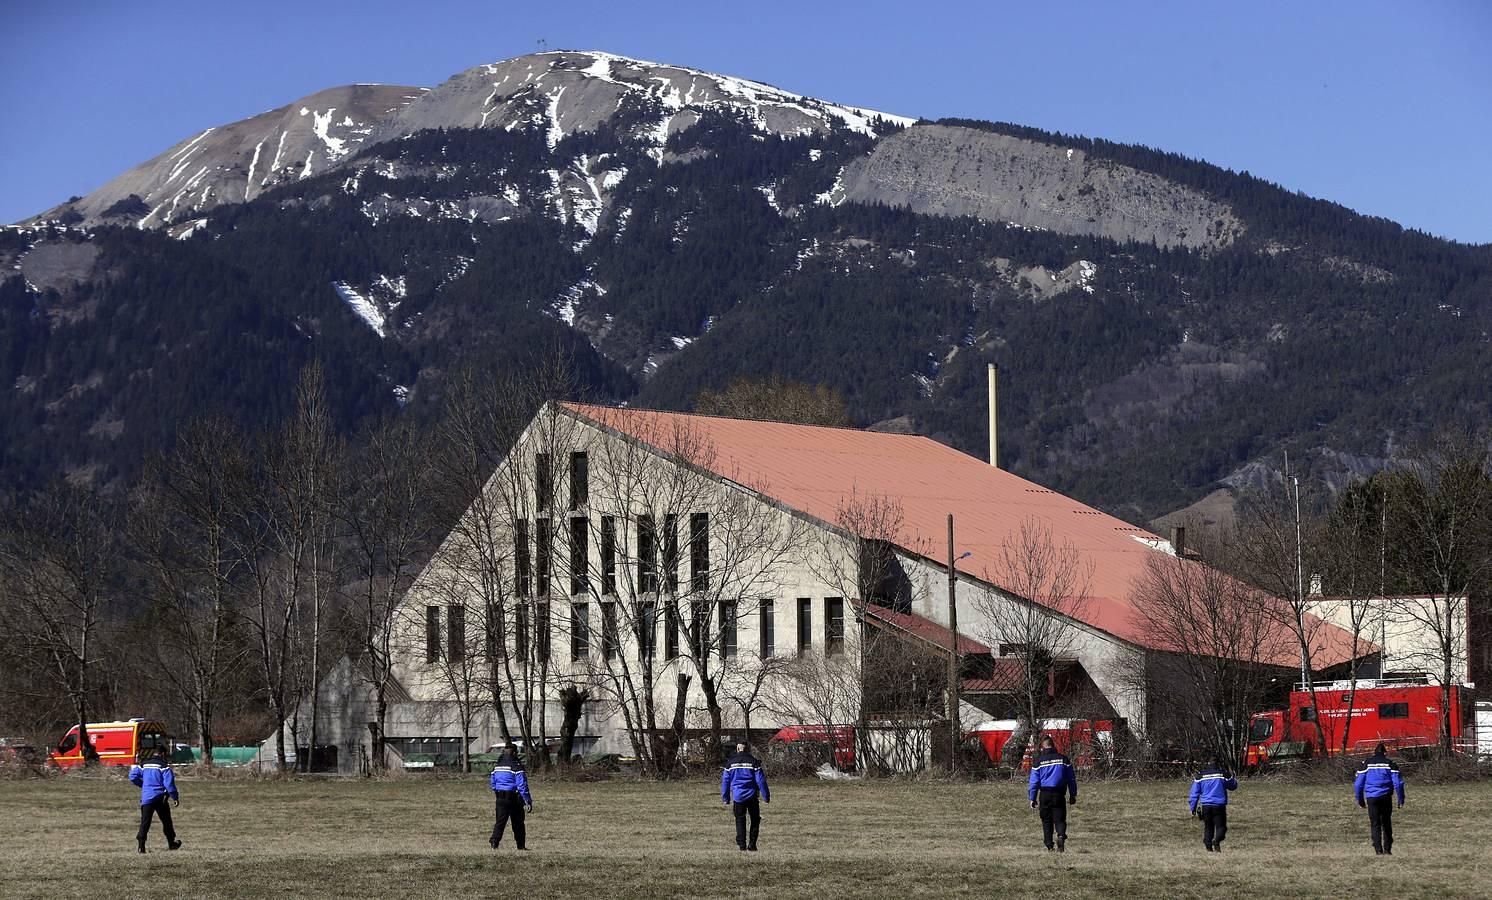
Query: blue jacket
[[1211, 788], [154, 779], [1378, 777], [508, 775], [1052, 770], [743, 779]]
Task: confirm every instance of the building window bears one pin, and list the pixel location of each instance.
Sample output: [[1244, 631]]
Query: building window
[[1393, 710], [455, 633], [543, 545], [541, 629], [580, 632], [833, 626], [647, 556], [699, 552], [543, 481], [699, 628], [647, 628], [671, 553], [520, 632], [805, 624], [580, 582], [671, 630], [580, 480], [767, 628], [1307, 714], [609, 646], [432, 634], [728, 630], [608, 556], [520, 557]]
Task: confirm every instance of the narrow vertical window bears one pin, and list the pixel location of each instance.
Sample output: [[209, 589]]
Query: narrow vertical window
[[609, 642], [580, 480], [647, 555], [805, 624], [455, 633], [833, 626], [580, 632], [520, 558], [671, 553], [767, 628], [647, 628], [728, 631], [671, 630], [543, 545], [699, 552], [543, 481], [541, 631], [580, 582], [608, 556], [432, 634], [699, 627], [520, 632]]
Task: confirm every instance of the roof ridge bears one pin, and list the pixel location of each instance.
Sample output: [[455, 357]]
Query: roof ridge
[[700, 415]]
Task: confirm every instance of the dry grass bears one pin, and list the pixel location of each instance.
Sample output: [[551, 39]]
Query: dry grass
[[70, 837]]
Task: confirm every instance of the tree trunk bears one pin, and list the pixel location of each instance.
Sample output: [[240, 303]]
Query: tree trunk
[[715, 752], [665, 758], [572, 702]]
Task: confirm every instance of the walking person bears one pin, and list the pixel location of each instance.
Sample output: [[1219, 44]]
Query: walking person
[[1053, 782], [1209, 802], [1375, 786], [743, 785], [156, 783], [510, 787]]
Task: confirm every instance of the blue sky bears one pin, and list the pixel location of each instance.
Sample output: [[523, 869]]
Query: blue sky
[[1384, 107]]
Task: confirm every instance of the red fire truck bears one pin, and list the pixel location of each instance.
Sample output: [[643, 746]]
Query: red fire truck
[[1402, 713], [1085, 742], [117, 743]]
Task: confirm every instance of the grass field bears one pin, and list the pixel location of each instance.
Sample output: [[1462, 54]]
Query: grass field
[[72, 837]]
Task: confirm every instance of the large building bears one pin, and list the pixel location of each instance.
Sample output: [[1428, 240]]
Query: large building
[[660, 569]]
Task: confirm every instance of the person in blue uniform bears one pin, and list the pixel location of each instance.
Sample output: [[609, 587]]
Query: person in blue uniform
[[1209, 802], [743, 785], [1052, 783], [510, 787], [156, 783], [1377, 783]]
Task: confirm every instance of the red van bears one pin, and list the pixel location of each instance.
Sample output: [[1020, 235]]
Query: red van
[[117, 743]]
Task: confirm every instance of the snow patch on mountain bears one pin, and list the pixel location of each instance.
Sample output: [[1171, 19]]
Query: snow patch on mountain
[[361, 306]]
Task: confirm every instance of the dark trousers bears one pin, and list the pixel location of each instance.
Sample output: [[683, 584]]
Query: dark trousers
[[753, 808], [509, 808], [161, 806], [1214, 823], [1381, 821], [1053, 805]]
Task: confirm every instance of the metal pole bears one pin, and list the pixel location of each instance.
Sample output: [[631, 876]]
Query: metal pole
[[953, 729]]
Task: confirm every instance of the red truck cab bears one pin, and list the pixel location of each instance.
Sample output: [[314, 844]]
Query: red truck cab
[[116, 743], [1083, 741], [1402, 713]]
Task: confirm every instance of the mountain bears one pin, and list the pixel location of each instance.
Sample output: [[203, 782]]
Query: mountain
[[1164, 327]]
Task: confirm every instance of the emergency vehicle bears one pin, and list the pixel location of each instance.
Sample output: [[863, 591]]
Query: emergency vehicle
[[820, 738], [1083, 741], [117, 743], [1403, 713]]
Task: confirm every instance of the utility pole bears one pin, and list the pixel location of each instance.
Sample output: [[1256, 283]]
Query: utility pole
[[953, 729]]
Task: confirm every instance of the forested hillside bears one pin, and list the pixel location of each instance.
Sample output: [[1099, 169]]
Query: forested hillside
[[670, 260]]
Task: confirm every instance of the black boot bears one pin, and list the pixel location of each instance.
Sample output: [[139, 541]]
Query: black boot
[[173, 845]]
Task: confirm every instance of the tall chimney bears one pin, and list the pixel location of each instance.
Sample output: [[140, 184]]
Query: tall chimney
[[994, 406], [1178, 540]]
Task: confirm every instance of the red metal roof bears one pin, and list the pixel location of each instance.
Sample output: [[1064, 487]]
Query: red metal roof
[[924, 628], [818, 470]]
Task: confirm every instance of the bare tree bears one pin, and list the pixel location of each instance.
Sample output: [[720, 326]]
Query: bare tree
[[1220, 639], [183, 533], [1030, 614], [456, 661], [1352, 548], [389, 523], [1274, 554], [778, 400], [1440, 522], [59, 572]]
